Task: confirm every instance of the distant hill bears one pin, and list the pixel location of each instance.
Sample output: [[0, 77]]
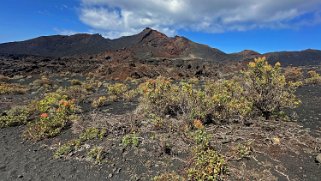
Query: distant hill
[[305, 57], [148, 44]]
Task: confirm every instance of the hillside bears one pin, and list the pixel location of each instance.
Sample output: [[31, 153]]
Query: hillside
[[146, 45]]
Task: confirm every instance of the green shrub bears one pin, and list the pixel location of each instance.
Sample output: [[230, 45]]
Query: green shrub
[[55, 111], [314, 78], [219, 100], [99, 102], [76, 92], [156, 121], [96, 154], [207, 165], [227, 99], [268, 89], [67, 148], [130, 140], [15, 116], [201, 138], [117, 89], [6, 88], [261, 88], [157, 96], [63, 151], [43, 82], [243, 150], [92, 133], [130, 95], [91, 85]]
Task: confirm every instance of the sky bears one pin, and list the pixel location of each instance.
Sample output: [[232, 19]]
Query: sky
[[229, 25]]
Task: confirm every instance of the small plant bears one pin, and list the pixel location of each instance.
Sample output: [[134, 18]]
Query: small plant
[[314, 78], [92, 133], [130, 95], [117, 89], [130, 140], [67, 148], [6, 88], [63, 150], [157, 121], [96, 154], [243, 150], [207, 165], [76, 92], [15, 116], [75, 82], [200, 135], [201, 138], [171, 176], [101, 101], [91, 85], [112, 98], [43, 82]]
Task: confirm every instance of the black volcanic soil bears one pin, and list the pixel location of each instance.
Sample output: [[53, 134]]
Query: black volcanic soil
[[309, 113], [148, 55], [20, 160], [25, 160]]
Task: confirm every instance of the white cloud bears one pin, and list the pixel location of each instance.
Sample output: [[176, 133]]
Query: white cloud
[[114, 18]]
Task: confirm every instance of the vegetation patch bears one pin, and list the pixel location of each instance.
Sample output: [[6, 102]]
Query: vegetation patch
[[6, 88], [55, 111], [15, 116], [130, 140], [99, 102], [92, 133], [207, 165], [261, 89], [195, 129], [96, 154], [268, 89], [169, 176], [313, 78]]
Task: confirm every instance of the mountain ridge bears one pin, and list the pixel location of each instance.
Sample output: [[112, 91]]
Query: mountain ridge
[[145, 45]]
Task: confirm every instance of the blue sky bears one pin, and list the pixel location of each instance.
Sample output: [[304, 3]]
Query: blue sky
[[230, 25]]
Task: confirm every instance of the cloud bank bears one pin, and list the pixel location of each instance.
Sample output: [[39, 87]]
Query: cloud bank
[[114, 18]]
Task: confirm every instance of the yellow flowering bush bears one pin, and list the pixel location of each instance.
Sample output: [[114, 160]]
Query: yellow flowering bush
[[157, 96], [227, 99], [162, 97], [262, 88], [314, 78], [117, 89], [268, 89]]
